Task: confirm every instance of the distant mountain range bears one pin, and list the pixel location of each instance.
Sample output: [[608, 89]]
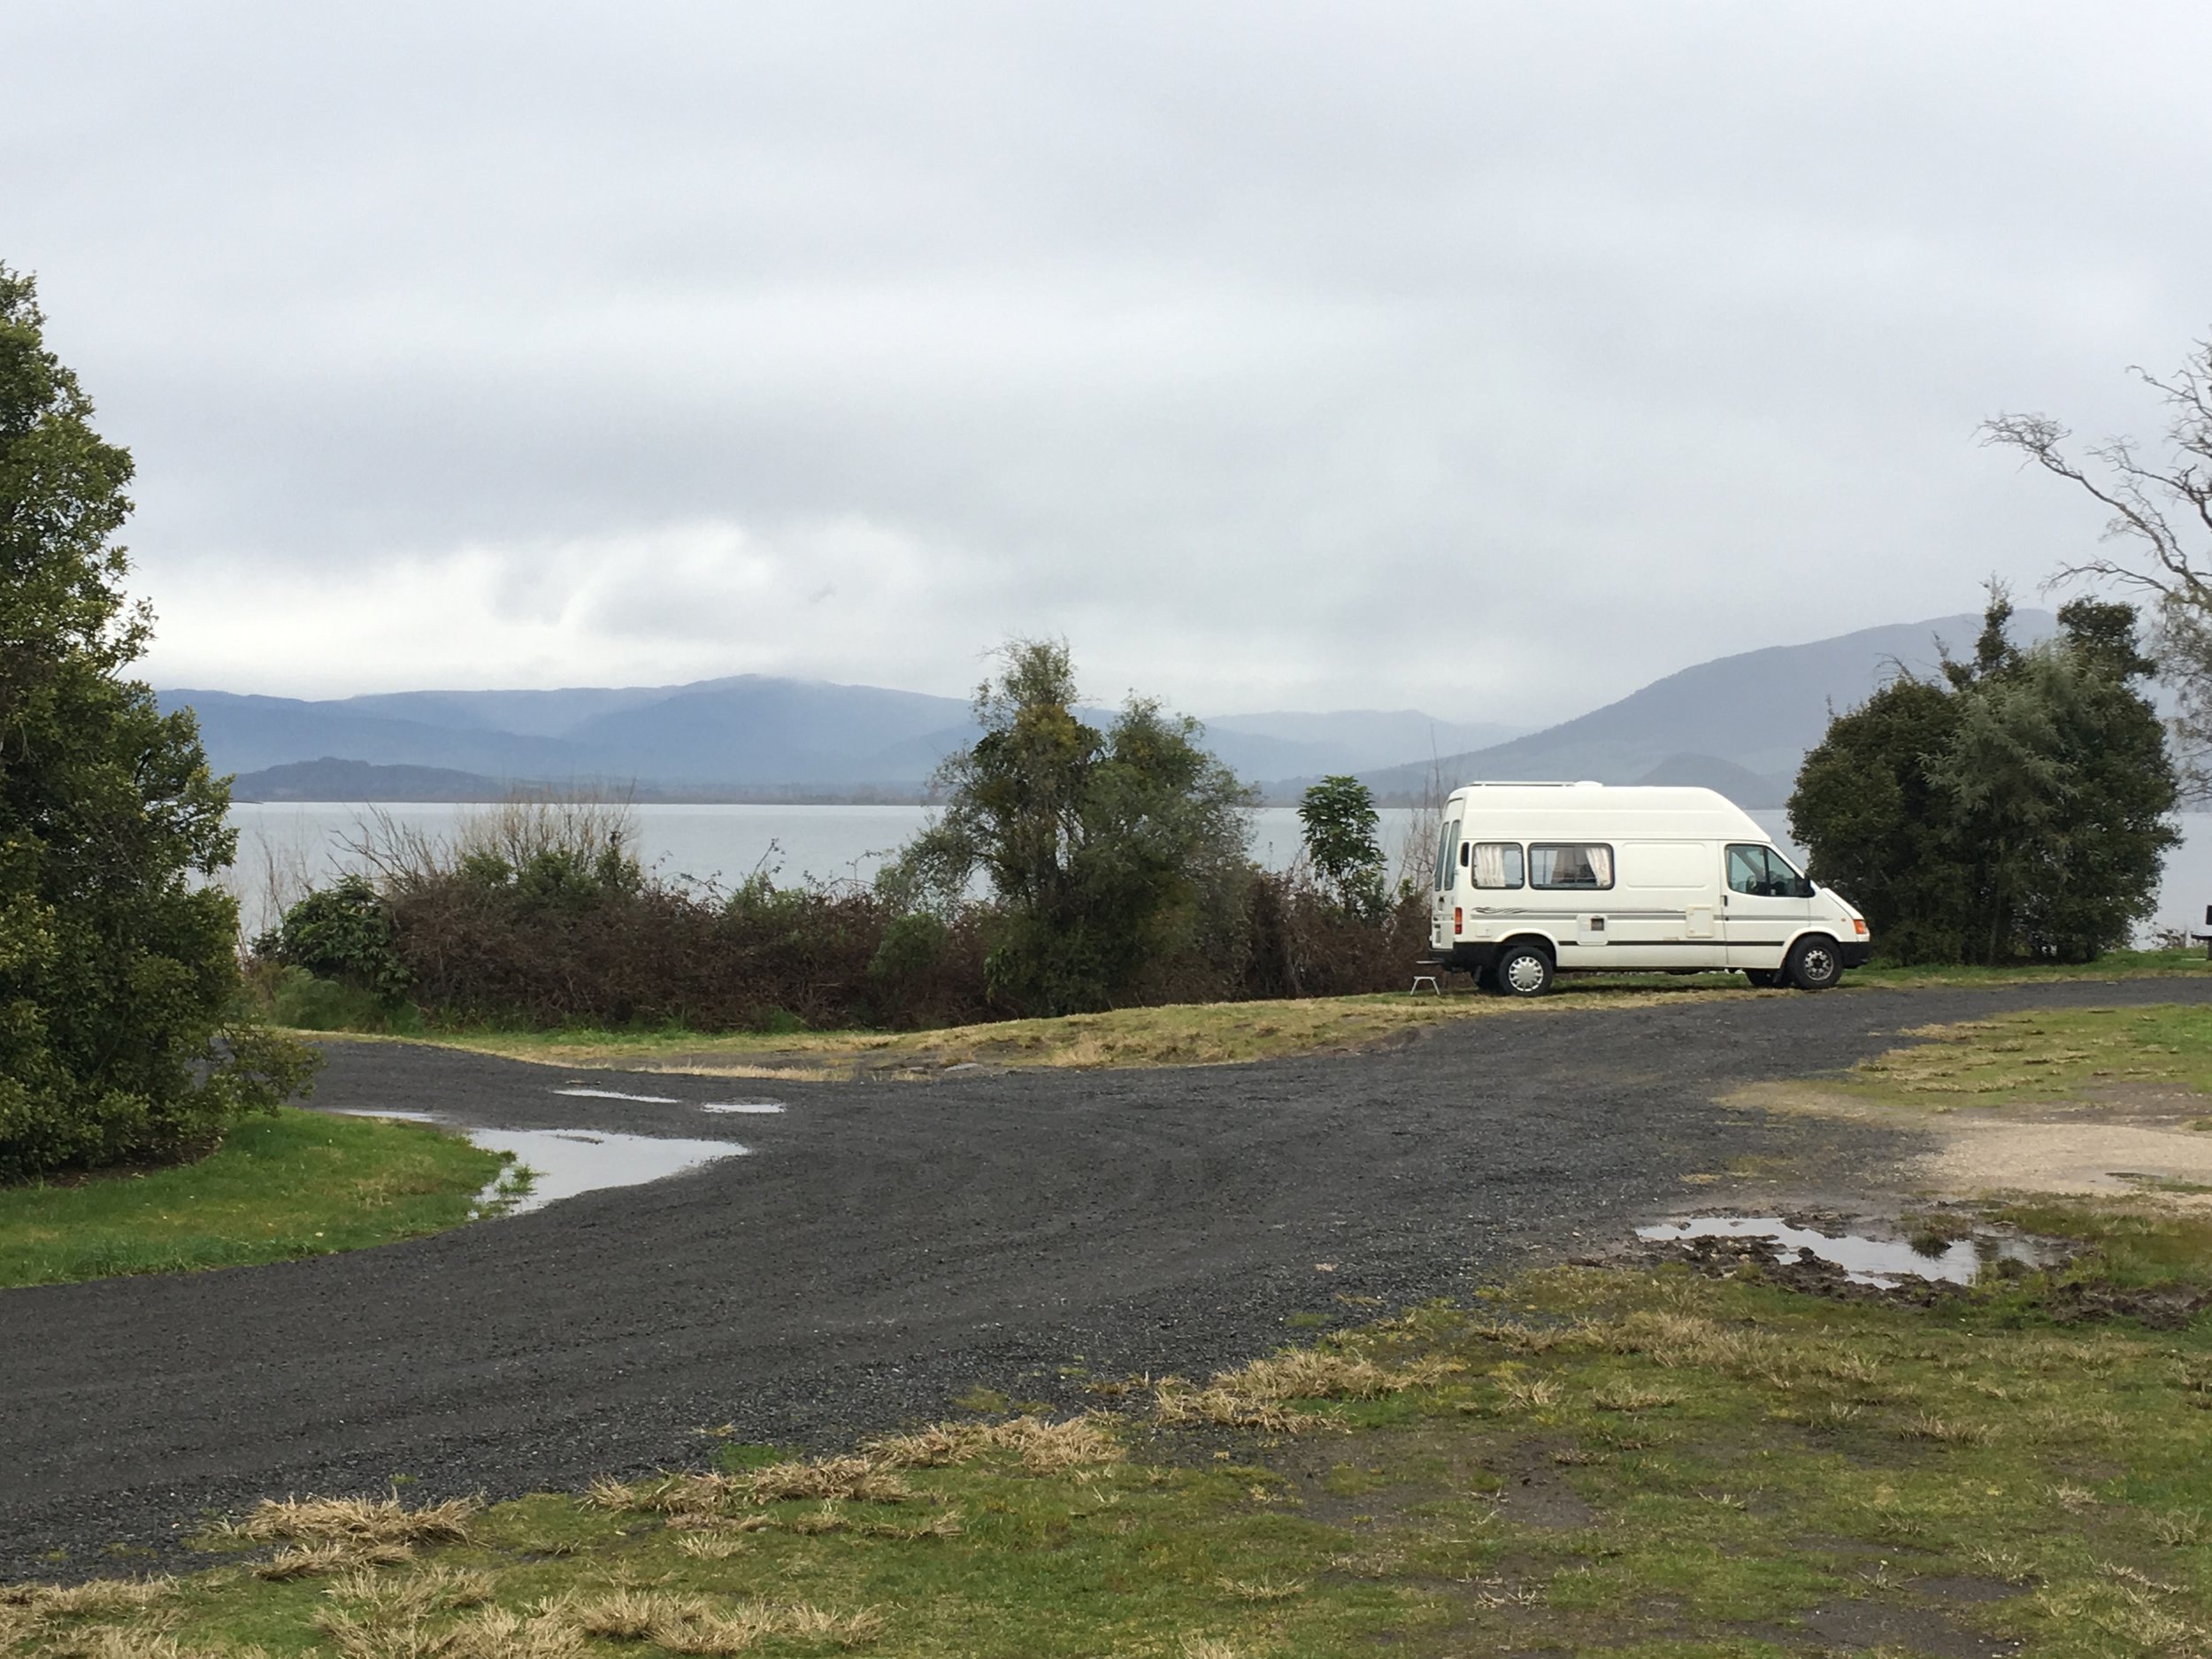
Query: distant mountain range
[[750, 737], [1740, 724]]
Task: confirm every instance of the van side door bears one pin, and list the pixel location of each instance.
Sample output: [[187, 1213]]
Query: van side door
[[1764, 904], [1662, 913]]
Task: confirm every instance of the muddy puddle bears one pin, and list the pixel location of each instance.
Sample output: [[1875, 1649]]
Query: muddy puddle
[[754, 1107], [1862, 1258]]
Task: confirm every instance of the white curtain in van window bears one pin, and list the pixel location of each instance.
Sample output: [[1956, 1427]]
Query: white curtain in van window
[[1601, 865], [1490, 865]]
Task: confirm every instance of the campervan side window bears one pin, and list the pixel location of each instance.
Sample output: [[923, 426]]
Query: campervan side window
[[1579, 866], [1445, 843], [1764, 874], [1497, 864]]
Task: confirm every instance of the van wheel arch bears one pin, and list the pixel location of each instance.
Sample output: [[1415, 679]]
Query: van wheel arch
[[1813, 963], [1529, 981]]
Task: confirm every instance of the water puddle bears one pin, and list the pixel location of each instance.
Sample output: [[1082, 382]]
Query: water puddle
[[756, 1106], [563, 1163], [566, 1162], [1864, 1261], [611, 1094]]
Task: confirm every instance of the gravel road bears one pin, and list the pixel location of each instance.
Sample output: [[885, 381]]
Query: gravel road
[[887, 1246]]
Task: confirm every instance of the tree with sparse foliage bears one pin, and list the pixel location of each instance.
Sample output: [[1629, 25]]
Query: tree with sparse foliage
[[118, 969], [2018, 807], [2161, 508], [1110, 854], [1339, 823]]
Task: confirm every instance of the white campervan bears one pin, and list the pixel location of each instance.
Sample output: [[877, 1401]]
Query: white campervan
[[1532, 878]]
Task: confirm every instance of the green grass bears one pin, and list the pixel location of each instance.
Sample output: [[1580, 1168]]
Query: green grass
[[1586, 1460], [297, 1184], [2043, 1055]]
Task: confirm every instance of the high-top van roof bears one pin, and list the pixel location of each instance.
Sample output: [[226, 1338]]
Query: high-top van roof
[[1600, 811]]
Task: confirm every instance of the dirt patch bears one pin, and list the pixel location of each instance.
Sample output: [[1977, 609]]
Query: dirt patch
[[2091, 1156], [1534, 1492], [1851, 1625], [2128, 1139]]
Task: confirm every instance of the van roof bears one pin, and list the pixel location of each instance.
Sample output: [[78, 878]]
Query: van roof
[[1608, 809]]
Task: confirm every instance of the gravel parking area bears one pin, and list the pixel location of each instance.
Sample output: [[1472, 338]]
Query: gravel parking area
[[887, 1246]]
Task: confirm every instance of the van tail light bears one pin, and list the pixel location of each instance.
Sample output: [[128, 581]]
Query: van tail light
[[1858, 926], [1458, 920]]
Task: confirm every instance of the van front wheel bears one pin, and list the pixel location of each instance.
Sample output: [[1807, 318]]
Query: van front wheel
[[1524, 971], [1815, 963]]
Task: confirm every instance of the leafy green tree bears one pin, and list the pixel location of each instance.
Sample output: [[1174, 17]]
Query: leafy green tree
[[2018, 808], [117, 970], [343, 932], [1109, 852], [1339, 823]]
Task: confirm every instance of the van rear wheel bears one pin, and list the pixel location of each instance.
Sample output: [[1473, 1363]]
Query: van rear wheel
[[1523, 971], [1815, 963]]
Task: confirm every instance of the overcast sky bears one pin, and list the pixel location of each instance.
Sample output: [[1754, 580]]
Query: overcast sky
[[1487, 359]]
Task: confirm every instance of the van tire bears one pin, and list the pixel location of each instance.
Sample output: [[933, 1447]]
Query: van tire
[[1815, 963], [1523, 971]]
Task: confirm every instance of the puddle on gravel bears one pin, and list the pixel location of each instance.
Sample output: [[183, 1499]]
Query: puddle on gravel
[[611, 1094], [567, 1162], [1864, 1260], [754, 1106]]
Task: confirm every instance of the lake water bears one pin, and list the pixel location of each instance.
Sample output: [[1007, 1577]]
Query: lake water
[[284, 846]]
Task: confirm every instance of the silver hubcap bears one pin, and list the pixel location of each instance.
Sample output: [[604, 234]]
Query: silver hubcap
[[1525, 974], [1820, 967]]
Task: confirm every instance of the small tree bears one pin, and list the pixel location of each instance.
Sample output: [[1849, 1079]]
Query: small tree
[[118, 971], [1339, 823], [2019, 807], [1110, 854]]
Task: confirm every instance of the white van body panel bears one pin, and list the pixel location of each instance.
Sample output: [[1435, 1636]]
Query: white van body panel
[[1668, 901]]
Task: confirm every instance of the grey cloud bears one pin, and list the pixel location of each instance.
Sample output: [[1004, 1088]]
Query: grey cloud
[[1488, 358]]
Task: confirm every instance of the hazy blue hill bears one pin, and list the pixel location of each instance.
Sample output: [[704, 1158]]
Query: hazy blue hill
[[357, 781], [1755, 714], [1286, 744], [527, 713], [755, 729], [248, 733]]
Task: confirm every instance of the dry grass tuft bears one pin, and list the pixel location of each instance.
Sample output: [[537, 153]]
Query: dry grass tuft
[[365, 1520], [492, 1633], [123, 1641], [1262, 1589], [1258, 1396], [1045, 1448], [94, 1598], [336, 1554], [1689, 1342], [1620, 1396], [1529, 1393], [850, 1479], [1944, 1430], [434, 1589], [690, 1624]]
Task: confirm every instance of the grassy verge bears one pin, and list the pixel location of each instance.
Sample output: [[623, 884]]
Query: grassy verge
[[297, 1184], [1632, 1462], [1187, 1035], [2043, 1055]]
